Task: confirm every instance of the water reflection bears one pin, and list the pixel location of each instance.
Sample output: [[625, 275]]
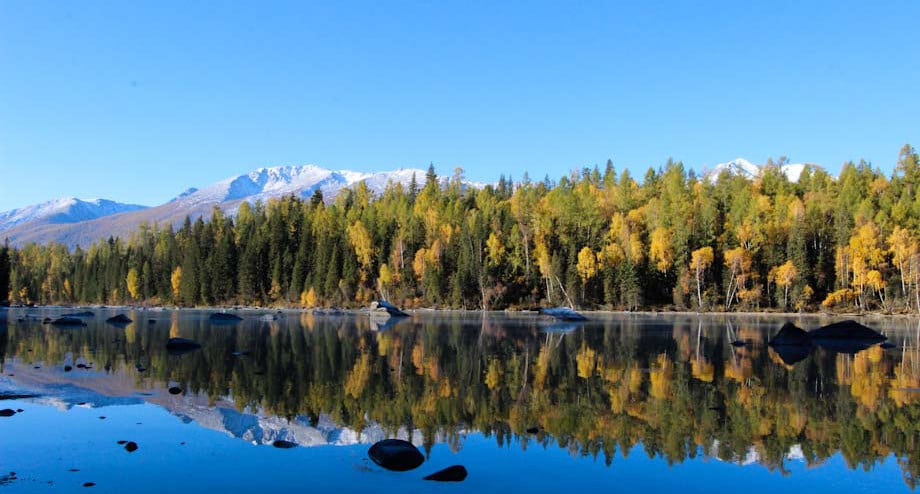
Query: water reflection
[[676, 385]]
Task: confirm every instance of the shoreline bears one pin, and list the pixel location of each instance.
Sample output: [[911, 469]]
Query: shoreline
[[365, 311]]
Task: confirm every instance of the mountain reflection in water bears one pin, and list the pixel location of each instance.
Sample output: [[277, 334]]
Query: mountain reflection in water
[[673, 384]]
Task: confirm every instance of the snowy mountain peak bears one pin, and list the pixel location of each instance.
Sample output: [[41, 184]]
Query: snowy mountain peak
[[64, 210], [303, 181], [744, 168]]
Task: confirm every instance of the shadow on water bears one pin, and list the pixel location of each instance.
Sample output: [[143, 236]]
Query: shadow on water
[[675, 384]]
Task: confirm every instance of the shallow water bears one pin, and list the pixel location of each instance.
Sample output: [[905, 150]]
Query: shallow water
[[661, 402]]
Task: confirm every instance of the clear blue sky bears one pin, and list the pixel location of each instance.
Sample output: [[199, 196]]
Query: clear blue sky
[[135, 101]]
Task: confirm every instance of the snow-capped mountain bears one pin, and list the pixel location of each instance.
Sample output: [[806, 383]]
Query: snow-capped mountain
[[75, 222], [65, 210], [302, 181], [743, 167]]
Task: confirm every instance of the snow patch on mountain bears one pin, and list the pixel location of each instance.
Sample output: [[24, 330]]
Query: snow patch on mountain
[[64, 210]]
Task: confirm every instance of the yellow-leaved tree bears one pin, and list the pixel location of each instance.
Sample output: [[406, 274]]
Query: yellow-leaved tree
[[133, 282]]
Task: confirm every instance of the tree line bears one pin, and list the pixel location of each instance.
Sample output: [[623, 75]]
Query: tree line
[[597, 238]]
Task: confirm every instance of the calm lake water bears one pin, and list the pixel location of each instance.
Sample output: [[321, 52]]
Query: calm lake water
[[663, 403]]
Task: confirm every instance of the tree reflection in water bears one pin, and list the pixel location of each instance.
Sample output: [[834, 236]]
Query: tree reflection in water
[[674, 384]]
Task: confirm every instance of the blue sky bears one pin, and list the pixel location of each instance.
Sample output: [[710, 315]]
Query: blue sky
[[135, 101]]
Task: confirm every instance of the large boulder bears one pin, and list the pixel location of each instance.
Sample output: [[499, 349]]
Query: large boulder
[[846, 330], [396, 454]]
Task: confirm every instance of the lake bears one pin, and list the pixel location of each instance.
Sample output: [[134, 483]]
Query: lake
[[657, 402]]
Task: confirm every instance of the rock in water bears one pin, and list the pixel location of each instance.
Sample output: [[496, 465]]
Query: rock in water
[[396, 454], [223, 317], [175, 390], [455, 473], [533, 430], [7, 412], [790, 334], [284, 444], [67, 322], [179, 346], [131, 447], [119, 320], [846, 330], [562, 313]]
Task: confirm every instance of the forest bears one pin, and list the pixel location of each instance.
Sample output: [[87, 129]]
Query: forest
[[596, 239]]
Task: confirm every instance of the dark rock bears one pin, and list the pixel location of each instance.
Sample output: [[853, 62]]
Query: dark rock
[[82, 366], [396, 454], [846, 330], [7, 412], [73, 469], [131, 447], [738, 343], [181, 346], [119, 320], [89, 484], [224, 318], [562, 313], [140, 368], [790, 334], [46, 320], [533, 430], [122, 442], [67, 368], [175, 390], [284, 444], [79, 314], [19, 410], [67, 322], [37, 367], [455, 473], [102, 417]]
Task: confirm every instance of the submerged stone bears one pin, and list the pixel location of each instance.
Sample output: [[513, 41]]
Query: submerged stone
[[131, 447], [119, 320], [179, 346], [223, 317], [282, 444], [396, 454], [67, 322], [175, 390], [7, 412], [454, 473], [79, 314]]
